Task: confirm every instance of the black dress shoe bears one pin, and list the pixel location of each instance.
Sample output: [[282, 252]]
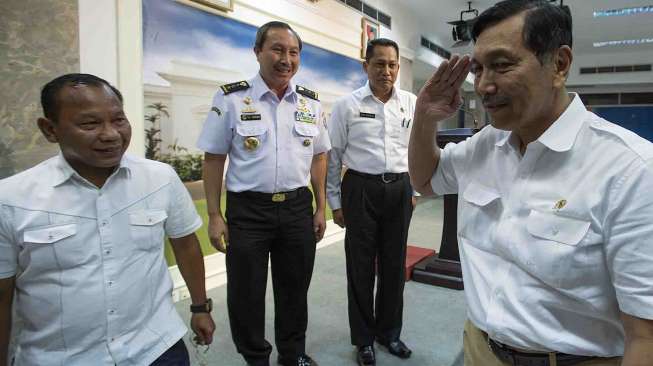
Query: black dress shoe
[[397, 348], [366, 356], [302, 360]]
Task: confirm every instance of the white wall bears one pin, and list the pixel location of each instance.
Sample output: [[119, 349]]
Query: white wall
[[110, 46]]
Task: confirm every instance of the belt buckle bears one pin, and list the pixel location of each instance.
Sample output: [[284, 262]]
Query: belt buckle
[[386, 181], [278, 197]]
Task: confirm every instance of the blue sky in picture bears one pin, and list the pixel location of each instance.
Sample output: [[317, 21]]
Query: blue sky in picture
[[173, 31]]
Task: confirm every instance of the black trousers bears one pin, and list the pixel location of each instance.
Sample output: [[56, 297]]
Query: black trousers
[[377, 216], [282, 232]]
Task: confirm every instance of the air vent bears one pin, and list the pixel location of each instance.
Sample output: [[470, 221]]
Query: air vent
[[613, 69], [636, 98], [617, 99], [435, 48], [600, 99], [369, 11]]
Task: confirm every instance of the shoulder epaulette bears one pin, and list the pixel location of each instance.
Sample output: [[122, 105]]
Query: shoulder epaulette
[[306, 92], [234, 87]]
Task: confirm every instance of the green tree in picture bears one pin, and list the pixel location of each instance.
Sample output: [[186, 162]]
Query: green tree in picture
[[152, 137]]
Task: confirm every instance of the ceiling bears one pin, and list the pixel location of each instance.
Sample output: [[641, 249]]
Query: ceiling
[[432, 16]]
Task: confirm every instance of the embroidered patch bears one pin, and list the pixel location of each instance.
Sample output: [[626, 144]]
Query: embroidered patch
[[234, 87], [305, 117], [367, 115], [250, 117]]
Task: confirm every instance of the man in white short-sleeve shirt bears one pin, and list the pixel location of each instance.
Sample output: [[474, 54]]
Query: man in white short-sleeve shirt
[[273, 132], [555, 207], [81, 243]]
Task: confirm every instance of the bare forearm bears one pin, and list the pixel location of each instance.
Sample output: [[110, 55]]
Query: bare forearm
[[638, 352], [639, 340], [212, 173], [191, 265], [423, 155], [6, 299], [318, 180]]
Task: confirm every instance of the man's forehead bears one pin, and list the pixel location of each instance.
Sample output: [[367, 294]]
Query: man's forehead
[[85, 95], [281, 36], [384, 53]]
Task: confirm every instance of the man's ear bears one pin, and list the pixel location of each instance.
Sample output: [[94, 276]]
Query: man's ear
[[562, 65], [47, 128]]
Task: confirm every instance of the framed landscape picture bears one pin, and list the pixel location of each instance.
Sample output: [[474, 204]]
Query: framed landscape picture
[[225, 5]]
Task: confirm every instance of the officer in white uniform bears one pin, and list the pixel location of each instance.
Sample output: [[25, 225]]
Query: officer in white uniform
[[369, 131], [274, 134]]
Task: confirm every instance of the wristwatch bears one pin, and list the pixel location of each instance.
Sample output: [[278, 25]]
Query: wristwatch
[[202, 308]]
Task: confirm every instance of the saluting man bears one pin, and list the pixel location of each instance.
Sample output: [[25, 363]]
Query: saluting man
[[369, 131], [273, 134]]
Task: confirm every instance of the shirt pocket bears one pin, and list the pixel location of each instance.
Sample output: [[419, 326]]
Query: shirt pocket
[[251, 137], [305, 135], [54, 246], [480, 211], [557, 252], [147, 228]]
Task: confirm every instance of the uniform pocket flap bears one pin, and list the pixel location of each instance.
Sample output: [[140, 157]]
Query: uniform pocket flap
[[50, 234], [147, 218], [251, 128], [479, 195], [306, 129], [562, 229]]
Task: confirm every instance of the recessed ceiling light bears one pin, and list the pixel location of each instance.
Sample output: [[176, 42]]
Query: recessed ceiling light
[[624, 42], [624, 11]]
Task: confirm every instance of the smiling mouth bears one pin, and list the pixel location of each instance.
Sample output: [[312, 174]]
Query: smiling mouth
[[110, 150], [282, 70]]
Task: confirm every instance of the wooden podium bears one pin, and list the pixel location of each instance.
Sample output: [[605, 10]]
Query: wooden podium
[[443, 269]]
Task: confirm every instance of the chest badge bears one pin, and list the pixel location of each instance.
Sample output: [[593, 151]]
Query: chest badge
[[302, 107], [248, 108], [251, 143], [305, 117], [307, 142], [560, 204]]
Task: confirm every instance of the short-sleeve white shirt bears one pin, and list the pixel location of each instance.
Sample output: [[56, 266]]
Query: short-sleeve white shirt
[[288, 131], [368, 135], [555, 243], [92, 283]]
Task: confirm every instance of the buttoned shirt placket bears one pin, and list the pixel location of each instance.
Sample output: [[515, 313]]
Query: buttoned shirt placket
[[514, 198]]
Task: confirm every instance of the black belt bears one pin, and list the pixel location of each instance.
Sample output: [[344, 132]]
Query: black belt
[[519, 358], [384, 177], [274, 197]]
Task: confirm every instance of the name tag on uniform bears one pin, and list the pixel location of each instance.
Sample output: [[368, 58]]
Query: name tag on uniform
[[250, 117], [367, 115], [305, 117]]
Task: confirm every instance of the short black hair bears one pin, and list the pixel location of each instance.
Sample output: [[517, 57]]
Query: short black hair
[[262, 32], [50, 91], [369, 51], [547, 26]]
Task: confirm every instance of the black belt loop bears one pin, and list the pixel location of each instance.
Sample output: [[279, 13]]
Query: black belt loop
[[519, 358], [384, 177], [272, 197]]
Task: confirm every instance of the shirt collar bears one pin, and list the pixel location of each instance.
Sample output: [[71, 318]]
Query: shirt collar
[[260, 88], [63, 171], [367, 92], [560, 136]]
